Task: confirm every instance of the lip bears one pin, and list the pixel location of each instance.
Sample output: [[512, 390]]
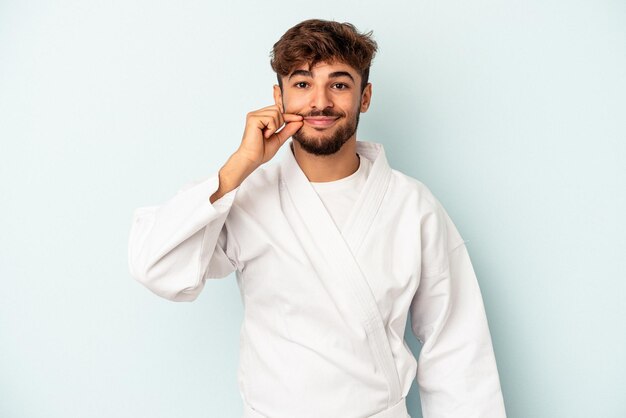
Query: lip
[[320, 121]]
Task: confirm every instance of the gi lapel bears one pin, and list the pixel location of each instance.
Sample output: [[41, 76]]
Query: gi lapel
[[341, 274]]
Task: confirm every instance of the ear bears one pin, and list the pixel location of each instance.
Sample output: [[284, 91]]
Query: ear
[[366, 97], [278, 98]]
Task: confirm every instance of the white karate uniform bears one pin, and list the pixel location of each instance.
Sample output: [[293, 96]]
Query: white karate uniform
[[325, 307]]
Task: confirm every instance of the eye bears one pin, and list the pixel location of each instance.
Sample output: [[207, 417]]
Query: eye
[[300, 82], [344, 86]]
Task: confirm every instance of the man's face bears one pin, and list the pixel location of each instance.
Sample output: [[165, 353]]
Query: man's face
[[330, 100]]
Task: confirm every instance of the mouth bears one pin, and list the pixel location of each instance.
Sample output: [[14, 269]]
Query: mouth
[[322, 122]]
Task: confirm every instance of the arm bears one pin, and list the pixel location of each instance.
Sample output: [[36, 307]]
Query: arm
[[457, 373], [174, 247]]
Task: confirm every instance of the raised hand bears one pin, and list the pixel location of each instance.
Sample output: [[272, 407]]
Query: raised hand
[[261, 138]]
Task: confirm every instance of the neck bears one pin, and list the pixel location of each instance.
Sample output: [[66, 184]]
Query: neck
[[322, 168]]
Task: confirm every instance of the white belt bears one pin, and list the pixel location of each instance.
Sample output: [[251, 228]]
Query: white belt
[[396, 411]]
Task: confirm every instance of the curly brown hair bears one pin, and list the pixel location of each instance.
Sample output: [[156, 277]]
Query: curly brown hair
[[316, 40]]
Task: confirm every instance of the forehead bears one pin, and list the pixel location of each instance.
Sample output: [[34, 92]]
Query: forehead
[[323, 69]]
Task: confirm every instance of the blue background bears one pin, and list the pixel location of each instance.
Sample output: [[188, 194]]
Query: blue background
[[512, 112]]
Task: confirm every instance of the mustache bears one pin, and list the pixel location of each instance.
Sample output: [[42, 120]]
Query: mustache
[[324, 113]]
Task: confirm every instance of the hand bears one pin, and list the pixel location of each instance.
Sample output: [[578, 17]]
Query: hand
[[260, 140]]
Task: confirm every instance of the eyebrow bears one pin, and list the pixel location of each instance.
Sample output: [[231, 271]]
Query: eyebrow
[[335, 74]]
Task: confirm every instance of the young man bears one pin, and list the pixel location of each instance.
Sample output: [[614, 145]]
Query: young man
[[332, 250]]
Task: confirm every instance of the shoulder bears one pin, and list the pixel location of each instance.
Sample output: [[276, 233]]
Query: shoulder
[[267, 175], [434, 218], [260, 186], [412, 190]]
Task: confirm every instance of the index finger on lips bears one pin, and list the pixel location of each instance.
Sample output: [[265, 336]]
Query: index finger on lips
[[291, 117]]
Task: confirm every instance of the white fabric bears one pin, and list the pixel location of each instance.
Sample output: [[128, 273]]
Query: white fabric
[[338, 196], [325, 308], [396, 411]]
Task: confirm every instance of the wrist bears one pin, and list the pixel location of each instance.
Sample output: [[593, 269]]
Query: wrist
[[234, 172]]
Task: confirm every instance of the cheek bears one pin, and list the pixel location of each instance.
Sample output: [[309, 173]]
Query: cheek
[[353, 103], [294, 101]]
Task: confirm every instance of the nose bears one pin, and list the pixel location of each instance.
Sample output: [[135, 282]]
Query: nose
[[320, 98]]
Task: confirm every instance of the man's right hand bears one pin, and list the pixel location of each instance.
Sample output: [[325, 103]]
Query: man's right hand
[[260, 140], [259, 144]]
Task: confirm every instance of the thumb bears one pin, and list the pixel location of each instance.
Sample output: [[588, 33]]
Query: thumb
[[289, 129]]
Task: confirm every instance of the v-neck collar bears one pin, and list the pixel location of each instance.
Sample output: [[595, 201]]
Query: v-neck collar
[[336, 251]]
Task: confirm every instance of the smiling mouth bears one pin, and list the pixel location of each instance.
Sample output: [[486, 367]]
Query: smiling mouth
[[322, 122]]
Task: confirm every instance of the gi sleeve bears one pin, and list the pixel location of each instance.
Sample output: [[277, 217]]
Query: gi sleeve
[[174, 247], [456, 372]]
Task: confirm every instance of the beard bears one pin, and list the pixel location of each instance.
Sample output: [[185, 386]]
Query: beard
[[330, 143]]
